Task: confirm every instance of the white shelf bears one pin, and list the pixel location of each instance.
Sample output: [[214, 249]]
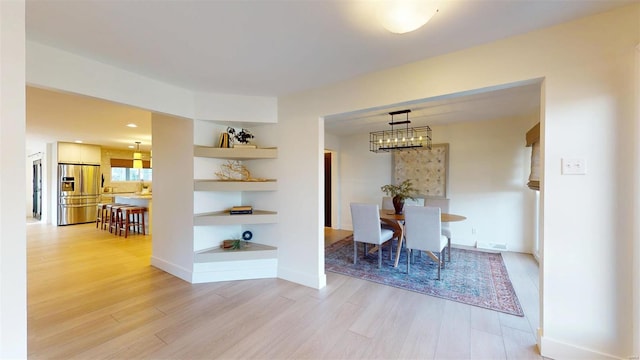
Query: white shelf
[[235, 154], [220, 185], [224, 218], [252, 251]]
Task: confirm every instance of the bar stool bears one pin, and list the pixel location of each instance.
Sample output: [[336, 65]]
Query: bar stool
[[132, 218], [101, 216], [115, 217]]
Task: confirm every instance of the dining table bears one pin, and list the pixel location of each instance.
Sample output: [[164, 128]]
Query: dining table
[[396, 222]]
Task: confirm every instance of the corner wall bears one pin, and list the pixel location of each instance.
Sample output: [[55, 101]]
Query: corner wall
[[588, 225], [13, 258]]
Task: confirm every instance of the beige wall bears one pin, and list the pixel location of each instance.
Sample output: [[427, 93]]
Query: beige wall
[[587, 67]]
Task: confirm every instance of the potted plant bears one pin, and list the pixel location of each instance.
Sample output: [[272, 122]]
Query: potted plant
[[399, 193]]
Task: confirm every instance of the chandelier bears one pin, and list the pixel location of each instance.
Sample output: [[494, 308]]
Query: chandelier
[[400, 137]]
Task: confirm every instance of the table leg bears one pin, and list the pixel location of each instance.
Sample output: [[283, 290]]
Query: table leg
[[400, 234]]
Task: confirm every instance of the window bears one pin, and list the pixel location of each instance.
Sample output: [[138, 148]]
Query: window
[[130, 174], [122, 170]]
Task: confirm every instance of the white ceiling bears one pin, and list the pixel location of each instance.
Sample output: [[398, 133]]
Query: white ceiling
[[267, 47]]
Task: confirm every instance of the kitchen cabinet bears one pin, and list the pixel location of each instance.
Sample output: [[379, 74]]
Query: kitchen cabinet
[[72, 153]]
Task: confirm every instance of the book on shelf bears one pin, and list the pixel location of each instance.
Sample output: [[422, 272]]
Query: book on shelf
[[241, 210], [244, 146], [242, 207]]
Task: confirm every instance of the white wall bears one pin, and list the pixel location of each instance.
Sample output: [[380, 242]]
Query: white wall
[[13, 268], [488, 171], [587, 67], [172, 195]]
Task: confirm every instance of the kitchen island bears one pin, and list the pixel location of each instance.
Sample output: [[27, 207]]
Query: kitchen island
[[138, 200]]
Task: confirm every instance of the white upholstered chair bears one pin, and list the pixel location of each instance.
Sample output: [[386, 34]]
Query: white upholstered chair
[[423, 232], [367, 229], [443, 204]]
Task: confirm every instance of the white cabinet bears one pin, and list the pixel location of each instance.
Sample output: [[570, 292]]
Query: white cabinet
[[71, 153]]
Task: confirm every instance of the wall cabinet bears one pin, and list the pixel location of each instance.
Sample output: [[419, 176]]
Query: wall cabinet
[[72, 153]]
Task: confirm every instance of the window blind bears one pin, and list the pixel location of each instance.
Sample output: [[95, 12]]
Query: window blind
[[128, 163]]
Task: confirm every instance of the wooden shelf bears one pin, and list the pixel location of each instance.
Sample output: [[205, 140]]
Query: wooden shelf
[[220, 185], [252, 251], [235, 154], [224, 218]]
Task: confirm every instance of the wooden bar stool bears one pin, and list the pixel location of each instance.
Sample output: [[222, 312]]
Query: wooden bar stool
[[115, 217], [101, 216], [132, 219]]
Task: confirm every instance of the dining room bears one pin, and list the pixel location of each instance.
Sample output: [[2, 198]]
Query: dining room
[[483, 169]]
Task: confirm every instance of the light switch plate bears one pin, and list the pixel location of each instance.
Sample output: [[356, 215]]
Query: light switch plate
[[574, 166]]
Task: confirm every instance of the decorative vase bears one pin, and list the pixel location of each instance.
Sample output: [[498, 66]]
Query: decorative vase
[[398, 204]]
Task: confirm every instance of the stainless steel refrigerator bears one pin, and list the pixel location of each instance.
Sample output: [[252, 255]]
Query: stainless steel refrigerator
[[78, 193]]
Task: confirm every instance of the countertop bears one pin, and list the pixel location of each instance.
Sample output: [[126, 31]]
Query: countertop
[[128, 195]]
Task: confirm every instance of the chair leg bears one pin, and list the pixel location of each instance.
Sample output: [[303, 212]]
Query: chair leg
[[380, 256], [355, 252], [449, 248], [408, 261], [439, 267]]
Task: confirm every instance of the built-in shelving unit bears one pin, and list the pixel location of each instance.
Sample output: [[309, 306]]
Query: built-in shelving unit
[[224, 185], [254, 261], [224, 218], [235, 153]]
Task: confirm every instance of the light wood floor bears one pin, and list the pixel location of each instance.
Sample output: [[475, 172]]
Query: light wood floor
[[92, 295]]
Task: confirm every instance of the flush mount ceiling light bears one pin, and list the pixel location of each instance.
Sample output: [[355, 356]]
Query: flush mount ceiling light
[[403, 16], [400, 138], [137, 157]]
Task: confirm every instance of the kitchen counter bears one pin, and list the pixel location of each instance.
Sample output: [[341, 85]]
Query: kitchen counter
[[138, 200]]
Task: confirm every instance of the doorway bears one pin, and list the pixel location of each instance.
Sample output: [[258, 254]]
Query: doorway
[[37, 190], [327, 189]]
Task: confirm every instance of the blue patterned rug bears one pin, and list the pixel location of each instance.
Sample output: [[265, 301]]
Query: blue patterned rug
[[472, 277]]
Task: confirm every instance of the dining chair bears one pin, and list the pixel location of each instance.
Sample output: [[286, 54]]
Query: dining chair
[[443, 204], [423, 232], [367, 230]]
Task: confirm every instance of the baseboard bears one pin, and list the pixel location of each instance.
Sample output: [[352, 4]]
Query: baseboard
[[555, 349], [171, 268], [302, 279], [234, 270]]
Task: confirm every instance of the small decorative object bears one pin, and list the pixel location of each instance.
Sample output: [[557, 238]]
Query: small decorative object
[[400, 192], [247, 235], [233, 170], [233, 244], [241, 136], [224, 140]]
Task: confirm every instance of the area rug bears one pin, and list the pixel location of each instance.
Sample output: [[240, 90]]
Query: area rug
[[472, 277]]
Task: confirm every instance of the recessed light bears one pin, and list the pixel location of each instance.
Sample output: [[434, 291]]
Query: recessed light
[[78, 141], [131, 146], [132, 125]]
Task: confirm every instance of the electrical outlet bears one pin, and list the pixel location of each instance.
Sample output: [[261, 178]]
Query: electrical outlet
[[574, 166]]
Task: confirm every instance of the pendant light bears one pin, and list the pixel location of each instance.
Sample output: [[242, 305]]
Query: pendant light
[[137, 157], [400, 137]]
